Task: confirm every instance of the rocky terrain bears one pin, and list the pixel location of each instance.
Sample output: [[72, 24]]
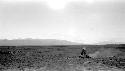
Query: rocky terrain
[[62, 58]]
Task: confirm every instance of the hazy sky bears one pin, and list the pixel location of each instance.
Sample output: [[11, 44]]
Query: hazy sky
[[87, 21]]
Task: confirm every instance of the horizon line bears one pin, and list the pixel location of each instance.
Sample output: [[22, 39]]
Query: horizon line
[[98, 43]]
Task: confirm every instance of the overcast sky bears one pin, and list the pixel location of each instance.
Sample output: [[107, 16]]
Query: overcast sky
[[87, 21]]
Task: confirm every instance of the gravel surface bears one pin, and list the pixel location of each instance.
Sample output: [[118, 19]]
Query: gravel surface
[[56, 60]]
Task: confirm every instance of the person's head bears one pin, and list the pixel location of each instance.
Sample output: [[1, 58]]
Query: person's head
[[84, 48]]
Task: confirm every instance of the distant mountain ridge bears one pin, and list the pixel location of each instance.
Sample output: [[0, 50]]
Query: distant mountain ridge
[[110, 42], [35, 42]]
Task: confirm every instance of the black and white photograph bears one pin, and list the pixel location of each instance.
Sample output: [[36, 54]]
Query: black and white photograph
[[62, 35]]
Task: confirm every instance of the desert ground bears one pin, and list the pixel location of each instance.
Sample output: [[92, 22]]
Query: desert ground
[[62, 58]]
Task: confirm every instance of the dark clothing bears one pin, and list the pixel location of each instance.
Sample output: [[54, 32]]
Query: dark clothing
[[84, 54]]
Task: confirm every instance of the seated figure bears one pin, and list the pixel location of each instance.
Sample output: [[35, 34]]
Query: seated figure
[[84, 54]]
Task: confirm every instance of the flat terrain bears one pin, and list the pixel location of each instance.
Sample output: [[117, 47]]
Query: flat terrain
[[62, 58]]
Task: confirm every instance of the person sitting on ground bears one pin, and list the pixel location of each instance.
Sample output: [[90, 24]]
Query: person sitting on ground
[[84, 54]]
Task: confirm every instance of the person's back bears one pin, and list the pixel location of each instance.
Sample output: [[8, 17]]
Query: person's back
[[84, 54]]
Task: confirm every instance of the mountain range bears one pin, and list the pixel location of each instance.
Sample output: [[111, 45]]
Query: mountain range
[[35, 42]]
